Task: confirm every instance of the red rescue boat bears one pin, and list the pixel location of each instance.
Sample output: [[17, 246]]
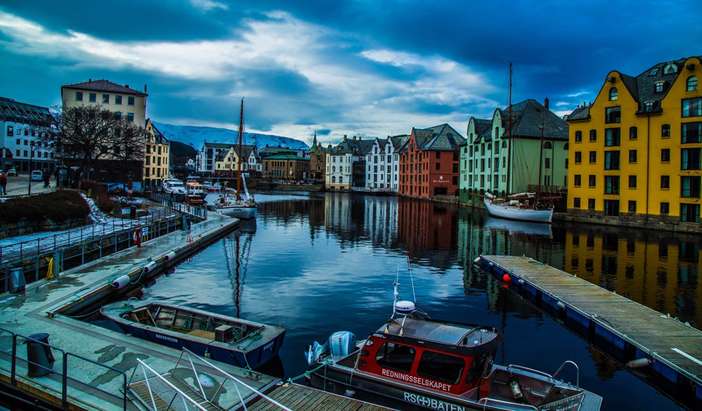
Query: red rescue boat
[[413, 362]]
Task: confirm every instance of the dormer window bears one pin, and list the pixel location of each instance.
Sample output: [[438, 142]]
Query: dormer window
[[613, 94], [653, 72], [648, 106], [659, 86], [670, 68]]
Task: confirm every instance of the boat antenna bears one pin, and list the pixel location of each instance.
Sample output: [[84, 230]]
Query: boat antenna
[[409, 268], [395, 291], [239, 155]]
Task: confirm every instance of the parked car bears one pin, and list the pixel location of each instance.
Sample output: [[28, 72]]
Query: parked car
[[12, 172], [37, 175]]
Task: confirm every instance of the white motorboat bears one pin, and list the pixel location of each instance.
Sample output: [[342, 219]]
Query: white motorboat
[[174, 186], [515, 210]]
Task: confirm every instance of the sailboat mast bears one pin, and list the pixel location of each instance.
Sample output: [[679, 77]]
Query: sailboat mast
[[541, 147], [241, 137], [509, 133]]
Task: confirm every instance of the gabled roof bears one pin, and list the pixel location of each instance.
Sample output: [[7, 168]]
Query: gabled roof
[[355, 146], [159, 138], [399, 142], [11, 110], [438, 138], [104, 85], [483, 129], [246, 150], [580, 113], [528, 117]]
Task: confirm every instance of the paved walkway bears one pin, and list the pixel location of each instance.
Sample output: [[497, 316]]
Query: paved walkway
[[17, 185]]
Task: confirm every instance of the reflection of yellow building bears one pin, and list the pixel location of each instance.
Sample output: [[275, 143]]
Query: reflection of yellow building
[[156, 155], [662, 275], [635, 151]]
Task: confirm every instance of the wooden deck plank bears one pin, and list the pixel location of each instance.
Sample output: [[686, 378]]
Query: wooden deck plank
[[643, 327], [300, 397]]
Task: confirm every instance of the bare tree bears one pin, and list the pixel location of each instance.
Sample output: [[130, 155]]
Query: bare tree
[[89, 133]]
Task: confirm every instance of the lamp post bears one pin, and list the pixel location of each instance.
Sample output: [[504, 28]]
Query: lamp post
[[31, 155]]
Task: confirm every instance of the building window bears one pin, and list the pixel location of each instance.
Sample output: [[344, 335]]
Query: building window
[[578, 157], [92, 97], [613, 94], [576, 180], [593, 157], [633, 133], [690, 158], [692, 107], [593, 135], [690, 186], [665, 208], [611, 184], [130, 117], [632, 207], [690, 213], [576, 202], [658, 87], [611, 207], [613, 114], [665, 182], [665, 131], [632, 156], [79, 96], [691, 83], [612, 137], [578, 136], [632, 182], [118, 99], [665, 155], [547, 163], [590, 203], [118, 115], [592, 181], [105, 99], [130, 100], [691, 133], [611, 160]]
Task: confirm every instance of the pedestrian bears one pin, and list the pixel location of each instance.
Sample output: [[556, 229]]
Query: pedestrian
[[47, 179], [3, 183]]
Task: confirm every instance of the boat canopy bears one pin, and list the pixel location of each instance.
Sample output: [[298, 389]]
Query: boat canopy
[[439, 333]]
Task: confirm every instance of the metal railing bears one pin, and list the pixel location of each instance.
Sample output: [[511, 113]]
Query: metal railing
[[69, 377], [78, 246], [171, 202], [159, 387]]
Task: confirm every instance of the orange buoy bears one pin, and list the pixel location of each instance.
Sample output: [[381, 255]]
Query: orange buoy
[[506, 278]]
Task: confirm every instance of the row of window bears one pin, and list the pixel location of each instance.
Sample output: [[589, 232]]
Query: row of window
[[34, 154], [691, 133], [688, 212], [92, 98], [689, 185], [658, 87], [690, 158], [27, 131]]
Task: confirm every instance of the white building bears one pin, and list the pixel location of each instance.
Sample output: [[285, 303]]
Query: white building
[[23, 129], [383, 164], [345, 164]]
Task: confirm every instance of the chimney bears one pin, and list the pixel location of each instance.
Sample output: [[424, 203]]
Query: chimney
[[546, 103], [126, 85], [90, 80], [345, 137], [145, 89]]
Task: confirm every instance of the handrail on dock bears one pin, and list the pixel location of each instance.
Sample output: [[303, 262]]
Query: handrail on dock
[[236, 380], [183, 395]]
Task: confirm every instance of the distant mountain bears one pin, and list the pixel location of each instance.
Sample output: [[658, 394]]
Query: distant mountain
[[196, 135], [181, 152]]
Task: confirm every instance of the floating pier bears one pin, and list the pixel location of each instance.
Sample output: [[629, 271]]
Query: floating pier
[[95, 368], [635, 332]]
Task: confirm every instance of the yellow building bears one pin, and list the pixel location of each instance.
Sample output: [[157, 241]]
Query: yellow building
[[156, 156], [125, 102], [230, 161], [635, 151]]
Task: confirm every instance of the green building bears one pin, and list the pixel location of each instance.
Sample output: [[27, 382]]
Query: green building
[[502, 156]]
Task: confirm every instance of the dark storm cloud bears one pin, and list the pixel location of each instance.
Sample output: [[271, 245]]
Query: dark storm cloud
[[360, 67]]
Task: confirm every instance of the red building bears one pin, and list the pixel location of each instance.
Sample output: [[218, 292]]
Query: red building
[[429, 162]]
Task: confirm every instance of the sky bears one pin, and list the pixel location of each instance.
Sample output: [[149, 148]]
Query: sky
[[367, 68]]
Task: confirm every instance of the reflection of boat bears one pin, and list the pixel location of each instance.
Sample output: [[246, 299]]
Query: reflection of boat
[[412, 361], [239, 206], [516, 210], [232, 340], [519, 227]]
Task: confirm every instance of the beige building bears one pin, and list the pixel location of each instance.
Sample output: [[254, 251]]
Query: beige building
[[156, 155], [230, 161], [125, 102]]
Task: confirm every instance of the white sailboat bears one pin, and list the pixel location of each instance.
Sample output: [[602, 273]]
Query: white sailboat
[[522, 206], [234, 204]]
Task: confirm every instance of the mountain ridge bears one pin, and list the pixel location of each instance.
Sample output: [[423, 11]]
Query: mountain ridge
[[197, 135]]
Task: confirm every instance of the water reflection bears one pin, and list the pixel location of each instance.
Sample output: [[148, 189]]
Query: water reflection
[[325, 262]]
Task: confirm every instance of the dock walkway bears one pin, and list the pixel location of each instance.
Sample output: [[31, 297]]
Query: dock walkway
[[674, 348], [300, 397]]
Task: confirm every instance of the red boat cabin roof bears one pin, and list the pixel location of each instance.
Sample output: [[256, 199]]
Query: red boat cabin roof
[[437, 332]]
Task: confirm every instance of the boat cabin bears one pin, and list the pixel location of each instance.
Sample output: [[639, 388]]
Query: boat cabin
[[196, 324], [439, 356]]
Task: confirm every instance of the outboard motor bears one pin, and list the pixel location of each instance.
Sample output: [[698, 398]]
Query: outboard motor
[[314, 352], [341, 344]]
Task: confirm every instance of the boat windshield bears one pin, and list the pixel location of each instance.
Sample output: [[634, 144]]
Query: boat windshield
[[193, 323]]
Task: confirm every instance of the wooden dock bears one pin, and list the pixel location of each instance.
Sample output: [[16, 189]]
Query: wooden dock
[[301, 397], [633, 330]]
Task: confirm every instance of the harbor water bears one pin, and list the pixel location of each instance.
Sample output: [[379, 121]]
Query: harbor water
[[319, 263]]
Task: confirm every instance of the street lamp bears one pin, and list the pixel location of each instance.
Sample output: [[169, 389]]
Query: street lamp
[[31, 155]]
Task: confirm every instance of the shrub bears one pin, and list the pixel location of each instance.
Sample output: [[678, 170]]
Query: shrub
[[57, 207]]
